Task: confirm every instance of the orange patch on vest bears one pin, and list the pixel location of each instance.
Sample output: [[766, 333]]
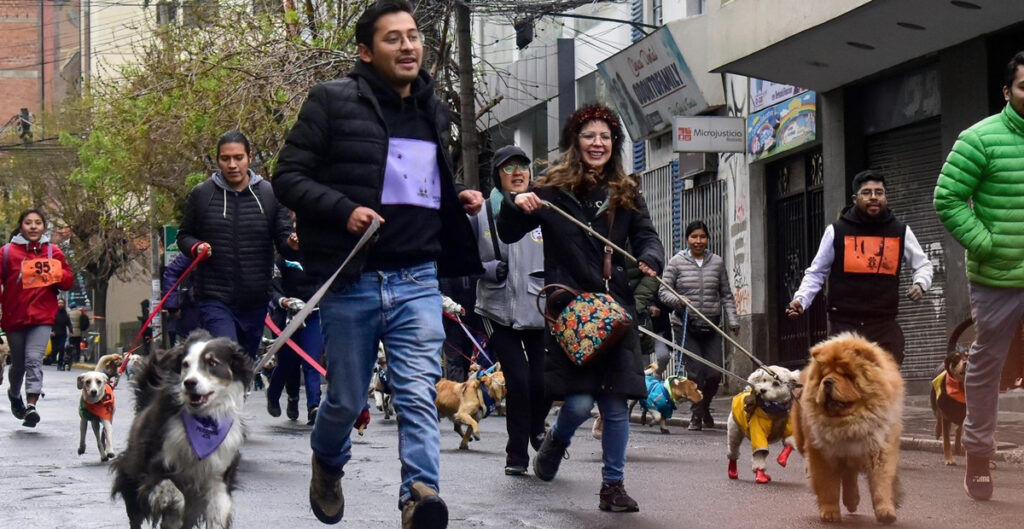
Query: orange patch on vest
[[871, 255]]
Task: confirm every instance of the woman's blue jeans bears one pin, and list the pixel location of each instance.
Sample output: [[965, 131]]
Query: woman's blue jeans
[[615, 414]]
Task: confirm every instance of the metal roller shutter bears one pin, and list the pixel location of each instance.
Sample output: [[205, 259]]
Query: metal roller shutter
[[910, 158]]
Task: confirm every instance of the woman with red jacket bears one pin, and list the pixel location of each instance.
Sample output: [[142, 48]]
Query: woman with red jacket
[[32, 270]]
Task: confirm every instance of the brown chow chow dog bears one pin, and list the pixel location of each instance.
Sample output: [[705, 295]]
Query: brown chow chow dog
[[849, 421]]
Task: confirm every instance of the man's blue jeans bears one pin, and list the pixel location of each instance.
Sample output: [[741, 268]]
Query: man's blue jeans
[[401, 308], [614, 437], [243, 326]]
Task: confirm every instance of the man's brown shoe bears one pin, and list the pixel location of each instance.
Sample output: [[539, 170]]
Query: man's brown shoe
[[425, 509], [325, 496]]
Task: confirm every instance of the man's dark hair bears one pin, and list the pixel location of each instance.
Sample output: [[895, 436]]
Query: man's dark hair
[[1011, 68], [367, 23], [869, 175], [234, 136]]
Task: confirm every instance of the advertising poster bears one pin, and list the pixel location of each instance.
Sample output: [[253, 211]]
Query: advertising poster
[[782, 127], [764, 94], [650, 83]]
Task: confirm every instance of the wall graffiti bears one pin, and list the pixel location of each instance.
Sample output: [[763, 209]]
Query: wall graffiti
[[733, 166]]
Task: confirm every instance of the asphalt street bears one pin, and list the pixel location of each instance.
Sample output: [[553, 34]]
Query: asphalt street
[[679, 480]]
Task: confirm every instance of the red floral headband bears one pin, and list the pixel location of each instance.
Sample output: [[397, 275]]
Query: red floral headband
[[588, 113]]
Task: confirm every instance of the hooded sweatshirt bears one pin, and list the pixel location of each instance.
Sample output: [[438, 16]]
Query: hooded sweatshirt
[[242, 228], [411, 198], [865, 277], [25, 307]]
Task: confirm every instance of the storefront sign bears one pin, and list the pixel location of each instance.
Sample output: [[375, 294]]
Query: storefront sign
[[650, 84], [764, 94], [782, 127], [708, 134]]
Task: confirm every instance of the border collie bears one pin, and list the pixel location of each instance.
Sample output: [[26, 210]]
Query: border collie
[[179, 468]]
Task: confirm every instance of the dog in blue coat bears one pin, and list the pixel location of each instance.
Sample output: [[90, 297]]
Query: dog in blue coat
[[664, 396]]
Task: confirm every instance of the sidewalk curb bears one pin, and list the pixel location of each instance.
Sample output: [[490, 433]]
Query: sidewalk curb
[[1005, 452]]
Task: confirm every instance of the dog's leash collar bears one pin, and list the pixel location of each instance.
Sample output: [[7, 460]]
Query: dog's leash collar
[[776, 408]]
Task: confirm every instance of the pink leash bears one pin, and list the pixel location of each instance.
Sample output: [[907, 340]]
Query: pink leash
[[156, 310], [295, 347]]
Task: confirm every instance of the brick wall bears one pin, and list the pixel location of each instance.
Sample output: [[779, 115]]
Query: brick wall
[[19, 58]]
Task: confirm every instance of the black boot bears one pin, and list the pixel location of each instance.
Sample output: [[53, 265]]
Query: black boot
[[696, 421], [615, 499], [706, 417], [549, 457]]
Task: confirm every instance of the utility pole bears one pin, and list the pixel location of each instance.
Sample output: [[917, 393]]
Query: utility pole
[[467, 99], [86, 41]]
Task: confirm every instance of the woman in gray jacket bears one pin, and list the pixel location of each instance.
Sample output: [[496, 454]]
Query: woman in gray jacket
[[506, 298], [700, 276]]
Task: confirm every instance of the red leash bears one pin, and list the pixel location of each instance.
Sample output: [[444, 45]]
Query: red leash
[[156, 310], [295, 347]]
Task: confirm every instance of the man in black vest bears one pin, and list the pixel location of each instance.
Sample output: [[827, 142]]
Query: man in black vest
[[869, 244], [234, 219]]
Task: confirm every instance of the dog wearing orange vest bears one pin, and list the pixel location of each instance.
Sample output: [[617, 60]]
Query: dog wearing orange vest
[[96, 407], [949, 403]]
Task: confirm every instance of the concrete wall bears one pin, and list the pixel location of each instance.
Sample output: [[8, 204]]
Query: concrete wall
[[116, 31], [742, 27], [123, 299], [963, 87]]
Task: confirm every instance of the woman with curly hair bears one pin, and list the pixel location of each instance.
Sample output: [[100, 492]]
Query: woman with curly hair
[[590, 183]]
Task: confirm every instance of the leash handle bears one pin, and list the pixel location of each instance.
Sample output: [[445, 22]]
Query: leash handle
[[300, 317], [668, 287], [136, 342]]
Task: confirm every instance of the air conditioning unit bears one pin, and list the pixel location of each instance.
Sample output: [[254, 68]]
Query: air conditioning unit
[[692, 164]]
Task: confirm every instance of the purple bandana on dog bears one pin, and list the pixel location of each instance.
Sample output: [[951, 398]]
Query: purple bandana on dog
[[205, 434]]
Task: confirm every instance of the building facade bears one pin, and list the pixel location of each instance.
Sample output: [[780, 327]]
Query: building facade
[[825, 94]]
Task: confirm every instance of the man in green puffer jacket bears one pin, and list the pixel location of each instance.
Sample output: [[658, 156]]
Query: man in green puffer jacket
[[986, 167]]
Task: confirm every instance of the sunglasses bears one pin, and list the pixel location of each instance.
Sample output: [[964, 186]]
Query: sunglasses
[[510, 168]]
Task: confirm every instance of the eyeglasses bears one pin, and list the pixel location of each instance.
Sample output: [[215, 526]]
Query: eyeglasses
[[866, 193], [510, 168], [593, 136]]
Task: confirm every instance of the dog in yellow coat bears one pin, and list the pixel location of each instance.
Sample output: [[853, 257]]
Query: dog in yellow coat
[[762, 413]]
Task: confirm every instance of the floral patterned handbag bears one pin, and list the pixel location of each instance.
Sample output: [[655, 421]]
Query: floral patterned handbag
[[592, 322]]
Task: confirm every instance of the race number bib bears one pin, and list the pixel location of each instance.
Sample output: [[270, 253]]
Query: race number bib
[[39, 273]]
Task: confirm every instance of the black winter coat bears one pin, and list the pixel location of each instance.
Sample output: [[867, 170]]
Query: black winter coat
[[574, 258], [333, 161], [242, 229]]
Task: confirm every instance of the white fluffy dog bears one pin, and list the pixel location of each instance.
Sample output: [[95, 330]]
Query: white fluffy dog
[[97, 408], [762, 413]]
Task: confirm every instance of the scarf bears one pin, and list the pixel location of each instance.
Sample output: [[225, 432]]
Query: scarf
[[205, 434]]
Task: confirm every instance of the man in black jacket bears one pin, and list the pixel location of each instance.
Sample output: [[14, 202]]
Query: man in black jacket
[[373, 145], [234, 218]]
